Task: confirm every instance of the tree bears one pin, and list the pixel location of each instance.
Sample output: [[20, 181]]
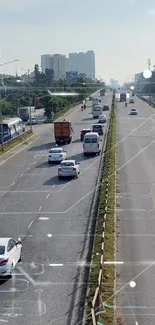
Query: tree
[[37, 73], [49, 77]]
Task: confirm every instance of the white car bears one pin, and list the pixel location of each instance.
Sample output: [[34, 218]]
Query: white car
[[57, 155], [10, 255], [68, 168], [133, 111], [102, 119]]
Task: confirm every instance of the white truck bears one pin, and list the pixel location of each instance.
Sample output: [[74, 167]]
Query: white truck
[[96, 111]]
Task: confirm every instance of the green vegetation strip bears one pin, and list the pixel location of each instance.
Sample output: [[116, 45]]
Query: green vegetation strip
[[107, 285], [15, 142]]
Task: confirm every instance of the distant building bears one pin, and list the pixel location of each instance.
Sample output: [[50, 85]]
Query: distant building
[[83, 63], [24, 78], [114, 84], [59, 66], [46, 62]]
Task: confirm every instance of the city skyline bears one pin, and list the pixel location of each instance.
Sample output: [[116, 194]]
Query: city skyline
[[82, 63], [114, 33]]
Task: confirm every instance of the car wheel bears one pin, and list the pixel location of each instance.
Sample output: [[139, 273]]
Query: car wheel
[[59, 177]]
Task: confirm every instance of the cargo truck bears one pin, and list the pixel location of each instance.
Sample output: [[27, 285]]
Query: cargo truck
[[123, 97], [63, 132], [102, 92]]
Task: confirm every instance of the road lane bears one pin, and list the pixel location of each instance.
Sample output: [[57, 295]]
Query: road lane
[[135, 214], [53, 218]]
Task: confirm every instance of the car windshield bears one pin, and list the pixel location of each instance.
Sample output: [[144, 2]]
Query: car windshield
[[97, 127], [133, 110], [2, 250], [55, 151], [67, 164]]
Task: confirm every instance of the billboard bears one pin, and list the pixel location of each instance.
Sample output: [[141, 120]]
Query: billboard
[[72, 75]]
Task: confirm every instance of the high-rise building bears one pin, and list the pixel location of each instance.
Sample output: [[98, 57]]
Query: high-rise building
[[46, 62], [59, 66], [83, 63]]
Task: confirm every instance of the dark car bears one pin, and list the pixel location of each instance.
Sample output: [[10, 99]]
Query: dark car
[[83, 132], [97, 128], [105, 108]]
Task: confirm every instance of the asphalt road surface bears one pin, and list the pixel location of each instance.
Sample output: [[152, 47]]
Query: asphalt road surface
[[52, 218], [136, 214]]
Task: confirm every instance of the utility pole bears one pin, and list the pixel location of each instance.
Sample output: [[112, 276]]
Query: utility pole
[[149, 63], [1, 120], [28, 75]]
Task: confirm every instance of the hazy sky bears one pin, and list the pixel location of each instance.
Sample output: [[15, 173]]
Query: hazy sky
[[121, 32]]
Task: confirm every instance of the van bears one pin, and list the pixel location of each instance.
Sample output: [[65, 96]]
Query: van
[[96, 111], [97, 128], [91, 143]]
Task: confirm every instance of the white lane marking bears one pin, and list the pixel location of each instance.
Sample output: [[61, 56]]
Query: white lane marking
[[29, 168], [119, 262], [49, 235], [13, 184], [56, 264], [21, 175], [3, 193], [30, 224], [40, 208], [43, 218], [34, 163], [48, 196], [26, 275], [54, 185]]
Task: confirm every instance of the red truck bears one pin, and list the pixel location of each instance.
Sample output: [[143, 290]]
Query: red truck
[[63, 132]]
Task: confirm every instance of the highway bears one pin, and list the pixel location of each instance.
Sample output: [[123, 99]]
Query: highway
[[53, 219], [135, 214]]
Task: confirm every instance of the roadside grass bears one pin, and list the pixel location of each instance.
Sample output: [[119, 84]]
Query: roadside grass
[[107, 286], [107, 289], [14, 143]]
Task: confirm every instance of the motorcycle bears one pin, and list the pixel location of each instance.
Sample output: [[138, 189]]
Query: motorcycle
[[81, 108], [126, 104], [84, 106]]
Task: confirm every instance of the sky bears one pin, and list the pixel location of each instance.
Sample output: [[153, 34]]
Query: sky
[[121, 33]]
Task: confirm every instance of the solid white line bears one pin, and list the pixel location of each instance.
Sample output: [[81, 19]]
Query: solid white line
[[40, 208], [48, 196], [21, 175], [13, 184], [114, 262], [30, 224]]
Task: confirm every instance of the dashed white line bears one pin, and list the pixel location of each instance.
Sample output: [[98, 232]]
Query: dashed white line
[[30, 224], [21, 175], [56, 264], [34, 162], [29, 168], [54, 185], [40, 208], [13, 184], [43, 218], [3, 193], [115, 263], [48, 196]]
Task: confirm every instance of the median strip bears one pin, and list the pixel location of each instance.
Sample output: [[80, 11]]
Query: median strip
[[16, 142], [102, 273]]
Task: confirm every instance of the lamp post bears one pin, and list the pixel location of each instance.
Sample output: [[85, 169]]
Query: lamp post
[[1, 113], [29, 98]]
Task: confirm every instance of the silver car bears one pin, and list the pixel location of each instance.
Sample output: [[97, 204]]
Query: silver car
[[102, 119], [68, 168], [57, 155]]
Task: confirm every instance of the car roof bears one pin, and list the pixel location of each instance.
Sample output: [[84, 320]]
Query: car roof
[[3, 241], [86, 129]]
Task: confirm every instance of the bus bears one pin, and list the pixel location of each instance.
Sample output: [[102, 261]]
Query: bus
[[25, 112], [12, 127]]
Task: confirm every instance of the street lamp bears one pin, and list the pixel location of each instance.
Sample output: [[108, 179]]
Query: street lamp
[[1, 115], [29, 100]]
